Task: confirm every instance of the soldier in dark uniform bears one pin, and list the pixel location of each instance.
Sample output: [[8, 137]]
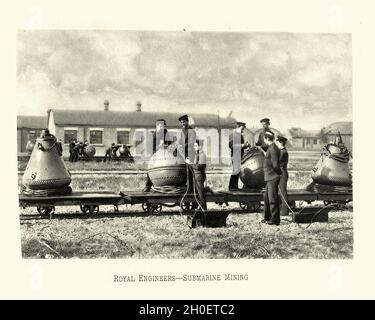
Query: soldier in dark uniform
[[237, 146], [71, 149], [84, 146], [114, 150], [76, 151], [160, 139], [272, 174], [261, 143], [198, 169], [283, 185], [187, 139], [80, 148], [111, 152], [126, 153]]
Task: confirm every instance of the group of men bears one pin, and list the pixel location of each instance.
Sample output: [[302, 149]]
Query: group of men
[[275, 163], [76, 149], [191, 149], [111, 152], [275, 169]]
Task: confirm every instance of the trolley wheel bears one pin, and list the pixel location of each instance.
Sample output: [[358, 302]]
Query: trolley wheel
[[91, 209], [46, 210], [157, 207], [152, 207], [186, 206], [243, 205], [251, 205]]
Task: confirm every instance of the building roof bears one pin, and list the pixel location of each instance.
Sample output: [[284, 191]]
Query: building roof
[[133, 118], [301, 133], [32, 122], [344, 127]]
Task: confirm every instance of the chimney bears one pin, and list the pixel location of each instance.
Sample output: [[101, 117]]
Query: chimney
[[139, 105], [106, 105]]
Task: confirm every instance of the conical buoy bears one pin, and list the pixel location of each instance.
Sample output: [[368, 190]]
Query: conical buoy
[[46, 170], [252, 172], [333, 166], [167, 168]]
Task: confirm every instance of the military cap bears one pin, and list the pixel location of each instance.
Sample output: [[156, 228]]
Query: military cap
[[282, 139], [267, 120], [184, 117], [240, 123], [269, 134], [162, 120]]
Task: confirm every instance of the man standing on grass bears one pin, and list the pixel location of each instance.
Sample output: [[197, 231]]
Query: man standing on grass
[[237, 146], [272, 174], [71, 149], [283, 185], [198, 169]]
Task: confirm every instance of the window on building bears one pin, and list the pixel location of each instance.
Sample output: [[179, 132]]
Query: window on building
[[123, 137], [96, 136], [315, 141], [307, 140], [69, 135]]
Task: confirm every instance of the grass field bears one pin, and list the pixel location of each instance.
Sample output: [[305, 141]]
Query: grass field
[[135, 234], [138, 235]]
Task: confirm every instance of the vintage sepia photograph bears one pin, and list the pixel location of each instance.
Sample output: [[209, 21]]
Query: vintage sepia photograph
[[184, 144]]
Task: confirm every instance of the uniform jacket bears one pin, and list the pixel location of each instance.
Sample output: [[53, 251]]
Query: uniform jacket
[[284, 158], [71, 146], [260, 142], [200, 162], [187, 140], [236, 140], [271, 164]]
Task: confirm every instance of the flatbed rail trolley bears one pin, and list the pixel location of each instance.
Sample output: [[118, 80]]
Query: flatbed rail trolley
[[152, 202]]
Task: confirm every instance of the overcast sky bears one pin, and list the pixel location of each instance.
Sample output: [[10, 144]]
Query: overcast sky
[[300, 80]]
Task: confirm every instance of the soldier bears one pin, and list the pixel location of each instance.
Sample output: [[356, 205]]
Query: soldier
[[109, 152], [71, 149], [198, 170], [284, 157], [160, 139], [187, 138], [114, 150], [126, 151], [272, 174], [80, 148], [261, 143], [236, 143], [76, 151]]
